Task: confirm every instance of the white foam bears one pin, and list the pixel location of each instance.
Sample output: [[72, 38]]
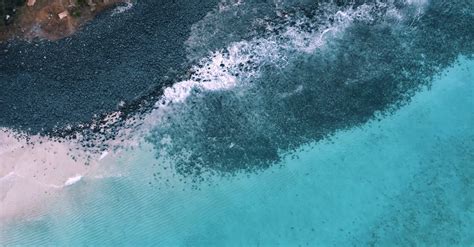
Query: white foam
[[72, 180], [417, 2], [123, 8], [103, 155], [221, 69], [225, 5], [308, 41], [8, 176], [217, 72]]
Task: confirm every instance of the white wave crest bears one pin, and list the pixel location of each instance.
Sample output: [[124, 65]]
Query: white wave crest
[[222, 70], [73, 180]]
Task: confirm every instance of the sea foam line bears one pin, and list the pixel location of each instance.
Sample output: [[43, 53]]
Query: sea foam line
[[222, 70], [70, 181]]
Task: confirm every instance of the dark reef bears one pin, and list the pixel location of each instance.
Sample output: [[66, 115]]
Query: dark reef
[[370, 71]]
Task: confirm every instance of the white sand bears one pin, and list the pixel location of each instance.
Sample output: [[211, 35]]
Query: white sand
[[32, 176]]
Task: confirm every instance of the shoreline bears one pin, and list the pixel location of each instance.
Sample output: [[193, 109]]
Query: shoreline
[[34, 172]]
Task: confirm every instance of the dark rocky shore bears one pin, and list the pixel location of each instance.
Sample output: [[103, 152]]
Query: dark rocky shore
[[118, 59]]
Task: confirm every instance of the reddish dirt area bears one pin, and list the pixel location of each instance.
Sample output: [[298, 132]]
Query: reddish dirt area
[[53, 19]]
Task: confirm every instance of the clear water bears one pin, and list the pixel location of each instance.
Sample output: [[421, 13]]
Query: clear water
[[296, 124], [404, 180]]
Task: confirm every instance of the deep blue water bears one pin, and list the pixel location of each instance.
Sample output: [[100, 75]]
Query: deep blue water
[[289, 123]]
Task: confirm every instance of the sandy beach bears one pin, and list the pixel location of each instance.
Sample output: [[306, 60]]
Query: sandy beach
[[33, 175]]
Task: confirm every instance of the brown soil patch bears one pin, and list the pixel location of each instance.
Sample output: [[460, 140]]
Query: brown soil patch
[[53, 19]]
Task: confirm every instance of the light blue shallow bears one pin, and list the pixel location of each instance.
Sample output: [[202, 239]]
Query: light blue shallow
[[406, 180]]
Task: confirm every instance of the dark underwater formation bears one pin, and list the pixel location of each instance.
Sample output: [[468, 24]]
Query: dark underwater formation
[[367, 71]]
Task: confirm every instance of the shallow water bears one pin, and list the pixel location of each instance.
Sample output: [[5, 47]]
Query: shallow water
[[339, 124], [400, 181]]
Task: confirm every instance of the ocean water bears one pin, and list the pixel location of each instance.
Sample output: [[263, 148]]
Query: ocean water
[[404, 180], [296, 123]]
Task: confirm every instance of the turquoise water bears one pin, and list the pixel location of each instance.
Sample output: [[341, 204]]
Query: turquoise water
[[402, 181]]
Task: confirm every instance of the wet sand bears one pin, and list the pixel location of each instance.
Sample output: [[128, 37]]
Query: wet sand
[[35, 172], [32, 175]]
